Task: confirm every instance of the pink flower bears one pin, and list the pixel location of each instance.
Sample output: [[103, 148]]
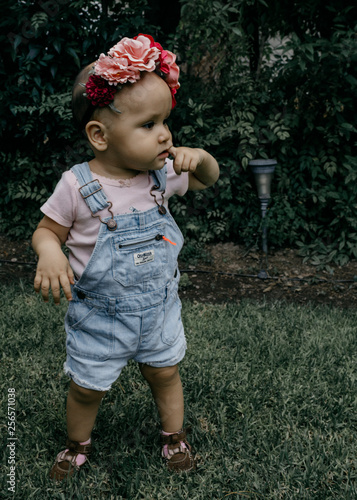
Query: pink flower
[[137, 52], [167, 64], [116, 70], [170, 68], [152, 41], [124, 63]]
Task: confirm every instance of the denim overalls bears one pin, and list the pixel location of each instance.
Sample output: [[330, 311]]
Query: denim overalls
[[125, 305]]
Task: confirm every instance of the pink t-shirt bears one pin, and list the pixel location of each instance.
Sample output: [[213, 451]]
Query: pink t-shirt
[[66, 207]]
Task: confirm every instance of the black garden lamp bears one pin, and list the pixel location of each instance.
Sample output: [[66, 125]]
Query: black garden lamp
[[263, 171]]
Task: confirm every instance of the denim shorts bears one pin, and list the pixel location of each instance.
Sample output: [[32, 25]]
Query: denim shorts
[[125, 304], [104, 333]]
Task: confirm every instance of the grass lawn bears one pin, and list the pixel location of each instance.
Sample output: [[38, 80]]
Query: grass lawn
[[270, 393]]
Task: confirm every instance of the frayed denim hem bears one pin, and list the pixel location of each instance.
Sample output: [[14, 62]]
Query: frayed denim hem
[[83, 383]]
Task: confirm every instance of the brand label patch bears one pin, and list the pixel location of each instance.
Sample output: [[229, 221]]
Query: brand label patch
[[144, 257]]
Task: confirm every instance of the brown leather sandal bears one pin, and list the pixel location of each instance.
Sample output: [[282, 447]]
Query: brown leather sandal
[[178, 457], [65, 463]]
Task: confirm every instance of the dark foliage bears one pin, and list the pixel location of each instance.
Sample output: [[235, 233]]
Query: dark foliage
[[259, 80]]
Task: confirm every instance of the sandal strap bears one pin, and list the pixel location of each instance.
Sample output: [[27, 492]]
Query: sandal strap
[[174, 451], [174, 439], [177, 451], [65, 463], [66, 456], [76, 447]]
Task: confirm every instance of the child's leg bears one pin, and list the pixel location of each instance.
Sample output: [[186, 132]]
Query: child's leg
[[166, 387], [82, 409]]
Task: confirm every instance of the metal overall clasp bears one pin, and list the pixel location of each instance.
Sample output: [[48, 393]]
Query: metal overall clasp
[[161, 208], [111, 224]]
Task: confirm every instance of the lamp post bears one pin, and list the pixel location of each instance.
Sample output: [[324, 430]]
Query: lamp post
[[263, 171]]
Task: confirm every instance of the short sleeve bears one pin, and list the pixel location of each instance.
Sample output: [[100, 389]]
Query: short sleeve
[[62, 204]]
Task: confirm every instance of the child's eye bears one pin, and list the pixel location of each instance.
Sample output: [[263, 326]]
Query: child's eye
[[149, 125]]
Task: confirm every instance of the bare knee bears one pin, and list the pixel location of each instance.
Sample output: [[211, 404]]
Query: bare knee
[[165, 376], [83, 395]]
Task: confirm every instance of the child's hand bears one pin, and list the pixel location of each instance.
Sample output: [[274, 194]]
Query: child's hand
[[53, 272], [185, 159], [53, 269], [202, 168]]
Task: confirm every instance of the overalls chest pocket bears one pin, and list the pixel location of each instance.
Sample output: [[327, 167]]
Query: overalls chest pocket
[[139, 256]]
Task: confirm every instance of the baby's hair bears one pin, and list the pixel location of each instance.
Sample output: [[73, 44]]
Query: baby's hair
[[82, 108]]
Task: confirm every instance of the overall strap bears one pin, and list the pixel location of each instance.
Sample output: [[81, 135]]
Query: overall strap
[[93, 194], [159, 178], [91, 190]]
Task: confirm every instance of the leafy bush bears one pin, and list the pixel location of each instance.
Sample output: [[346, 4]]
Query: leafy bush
[[295, 103], [257, 81], [43, 46]]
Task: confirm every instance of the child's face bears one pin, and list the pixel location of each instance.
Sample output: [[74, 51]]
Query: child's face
[[138, 138]]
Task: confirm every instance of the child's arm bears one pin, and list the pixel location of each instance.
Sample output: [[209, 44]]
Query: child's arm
[[202, 167], [53, 269]]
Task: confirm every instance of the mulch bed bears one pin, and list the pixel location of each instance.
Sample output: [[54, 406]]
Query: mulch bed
[[230, 274]]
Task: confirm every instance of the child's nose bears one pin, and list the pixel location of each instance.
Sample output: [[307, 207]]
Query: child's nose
[[165, 134]]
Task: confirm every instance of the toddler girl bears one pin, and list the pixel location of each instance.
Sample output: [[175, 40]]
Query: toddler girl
[[121, 277]]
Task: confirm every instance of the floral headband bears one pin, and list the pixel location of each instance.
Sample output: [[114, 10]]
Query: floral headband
[[123, 64]]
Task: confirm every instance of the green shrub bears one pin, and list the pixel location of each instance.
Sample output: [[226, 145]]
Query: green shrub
[[240, 98], [295, 104], [43, 46]]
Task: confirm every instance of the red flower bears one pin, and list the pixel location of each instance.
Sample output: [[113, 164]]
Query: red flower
[[152, 41], [173, 92], [99, 92], [167, 66]]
